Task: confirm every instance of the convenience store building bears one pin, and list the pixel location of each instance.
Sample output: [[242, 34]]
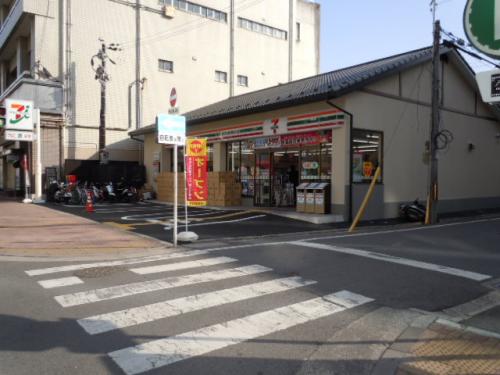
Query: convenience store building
[[339, 126]]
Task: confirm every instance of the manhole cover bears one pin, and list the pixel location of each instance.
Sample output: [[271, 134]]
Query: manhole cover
[[90, 273]]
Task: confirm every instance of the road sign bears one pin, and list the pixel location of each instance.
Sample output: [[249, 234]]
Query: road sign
[[14, 135], [19, 114], [489, 85], [171, 129], [173, 97], [482, 25]]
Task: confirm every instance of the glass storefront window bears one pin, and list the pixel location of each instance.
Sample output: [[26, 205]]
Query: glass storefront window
[[210, 150], [247, 169], [366, 154], [310, 164], [326, 162]]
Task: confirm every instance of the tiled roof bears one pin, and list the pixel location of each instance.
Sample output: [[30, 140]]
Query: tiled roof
[[321, 87]]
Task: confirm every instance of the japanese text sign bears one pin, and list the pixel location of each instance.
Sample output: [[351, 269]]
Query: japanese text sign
[[196, 172], [171, 129]]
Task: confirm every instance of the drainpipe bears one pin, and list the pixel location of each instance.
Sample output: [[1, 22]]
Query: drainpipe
[[350, 154], [130, 86]]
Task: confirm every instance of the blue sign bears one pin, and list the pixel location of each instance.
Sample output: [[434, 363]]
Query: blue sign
[[171, 129]]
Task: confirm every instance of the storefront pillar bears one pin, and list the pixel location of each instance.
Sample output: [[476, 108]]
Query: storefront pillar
[[340, 173], [219, 157]]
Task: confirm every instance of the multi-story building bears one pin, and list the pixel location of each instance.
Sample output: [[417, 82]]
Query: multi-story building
[[207, 50]]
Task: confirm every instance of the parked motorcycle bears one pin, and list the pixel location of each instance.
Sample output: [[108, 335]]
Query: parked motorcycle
[[413, 212]]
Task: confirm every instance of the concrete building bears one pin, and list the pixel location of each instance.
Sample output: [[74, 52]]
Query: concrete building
[[207, 49], [339, 126]]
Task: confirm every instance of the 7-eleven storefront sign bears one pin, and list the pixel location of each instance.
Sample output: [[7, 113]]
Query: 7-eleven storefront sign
[[196, 172]]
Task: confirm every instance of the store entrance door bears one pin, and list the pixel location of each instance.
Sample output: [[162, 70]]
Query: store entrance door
[[276, 175], [285, 177]]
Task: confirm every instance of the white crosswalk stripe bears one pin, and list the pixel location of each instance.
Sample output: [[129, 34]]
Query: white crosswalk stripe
[[63, 281], [119, 291], [124, 262], [162, 352], [131, 317], [182, 265], [168, 350]]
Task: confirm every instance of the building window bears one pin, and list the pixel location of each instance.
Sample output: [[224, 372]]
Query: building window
[[241, 159], [196, 9], [261, 28], [220, 76], [298, 31], [242, 80], [166, 66], [367, 149]]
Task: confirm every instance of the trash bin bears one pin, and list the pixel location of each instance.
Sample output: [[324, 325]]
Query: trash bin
[[322, 198], [301, 197], [310, 192]]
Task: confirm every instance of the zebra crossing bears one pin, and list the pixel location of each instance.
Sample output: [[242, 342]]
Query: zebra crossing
[[165, 351]]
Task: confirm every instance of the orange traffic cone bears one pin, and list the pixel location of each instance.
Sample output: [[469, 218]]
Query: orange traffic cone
[[89, 207]]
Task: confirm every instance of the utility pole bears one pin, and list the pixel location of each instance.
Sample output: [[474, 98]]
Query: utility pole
[[432, 203], [102, 76], [138, 83]]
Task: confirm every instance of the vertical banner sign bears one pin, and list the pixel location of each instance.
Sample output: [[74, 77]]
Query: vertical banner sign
[[196, 172]]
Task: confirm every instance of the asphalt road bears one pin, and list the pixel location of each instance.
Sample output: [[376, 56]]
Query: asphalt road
[[378, 278], [152, 218]]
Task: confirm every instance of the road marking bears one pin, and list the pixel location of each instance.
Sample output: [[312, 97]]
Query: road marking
[[143, 314], [158, 353], [393, 259], [182, 265], [57, 283], [125, 290], [153, 258], [423, 227], [223, 222]]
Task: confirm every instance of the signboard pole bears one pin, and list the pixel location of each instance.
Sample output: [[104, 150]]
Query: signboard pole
[[27, 183], [38, 172], [175, 195]]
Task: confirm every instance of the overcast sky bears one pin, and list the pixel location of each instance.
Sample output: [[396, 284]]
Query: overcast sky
[[357, 31]]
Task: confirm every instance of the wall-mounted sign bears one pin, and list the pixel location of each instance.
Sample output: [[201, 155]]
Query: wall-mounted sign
[[14, 135], [18, 115], [293, 140], [171, 129], [196, 172], [489, 85], [275, 126]]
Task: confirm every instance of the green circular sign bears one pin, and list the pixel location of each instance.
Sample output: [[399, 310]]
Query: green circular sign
[[482, 25]]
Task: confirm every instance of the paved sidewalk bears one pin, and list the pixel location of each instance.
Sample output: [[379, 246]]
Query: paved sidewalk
[[35, 230], [441, 350]]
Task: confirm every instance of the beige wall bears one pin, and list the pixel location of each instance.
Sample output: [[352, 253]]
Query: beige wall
[[405, 121]]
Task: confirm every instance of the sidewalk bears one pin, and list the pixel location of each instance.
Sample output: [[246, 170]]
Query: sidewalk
[[442, 350], [35, 230]]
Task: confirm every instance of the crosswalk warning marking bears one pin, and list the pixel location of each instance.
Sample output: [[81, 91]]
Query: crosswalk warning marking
[[152, 258], [182, 265], [162, 352], [148, 313], [103, 294]]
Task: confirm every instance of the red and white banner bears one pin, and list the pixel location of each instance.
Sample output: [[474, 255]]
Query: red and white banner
[[196, 172]]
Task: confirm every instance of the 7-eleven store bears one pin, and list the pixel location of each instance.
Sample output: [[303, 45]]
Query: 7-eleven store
[[274, 154], [269, 154]]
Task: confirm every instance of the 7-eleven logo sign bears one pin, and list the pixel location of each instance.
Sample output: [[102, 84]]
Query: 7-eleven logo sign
[[19, 114]]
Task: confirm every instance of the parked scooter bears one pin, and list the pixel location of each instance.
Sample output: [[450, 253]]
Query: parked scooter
[[413, 212]]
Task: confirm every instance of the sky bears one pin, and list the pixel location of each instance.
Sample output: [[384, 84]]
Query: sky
[[358, 31]]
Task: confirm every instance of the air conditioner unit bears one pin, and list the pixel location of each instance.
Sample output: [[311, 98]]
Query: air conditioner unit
[[169, 11]]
